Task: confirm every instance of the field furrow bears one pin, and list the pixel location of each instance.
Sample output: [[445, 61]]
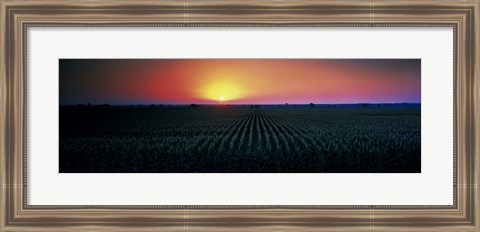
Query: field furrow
[[265, 132], [251, 134], [230, 138], [280, 134], [244, 136], [259, 139]]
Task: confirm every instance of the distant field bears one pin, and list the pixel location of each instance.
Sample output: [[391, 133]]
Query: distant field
[[239, 140]]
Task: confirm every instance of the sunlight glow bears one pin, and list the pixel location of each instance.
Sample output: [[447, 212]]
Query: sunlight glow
[[222, 91]]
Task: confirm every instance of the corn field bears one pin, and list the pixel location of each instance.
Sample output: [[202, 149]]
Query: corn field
[[238, 140]]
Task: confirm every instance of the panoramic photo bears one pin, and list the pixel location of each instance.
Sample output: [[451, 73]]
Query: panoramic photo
[[240, 115]]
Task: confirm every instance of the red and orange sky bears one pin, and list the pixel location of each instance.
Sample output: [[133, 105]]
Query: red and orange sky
[[239, 81]]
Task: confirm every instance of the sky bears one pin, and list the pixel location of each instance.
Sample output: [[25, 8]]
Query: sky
[[239, 81]]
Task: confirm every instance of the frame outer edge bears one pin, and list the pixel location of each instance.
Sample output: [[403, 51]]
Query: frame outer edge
[[476, 112], [4, 143], [6, 127], [2, 117]]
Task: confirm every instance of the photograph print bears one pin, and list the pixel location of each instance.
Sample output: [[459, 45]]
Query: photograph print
[[240, 115]]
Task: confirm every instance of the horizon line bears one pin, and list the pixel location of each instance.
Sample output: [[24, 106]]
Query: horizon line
[[246, 104]]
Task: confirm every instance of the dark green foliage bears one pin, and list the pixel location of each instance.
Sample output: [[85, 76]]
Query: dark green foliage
[[239, 140]]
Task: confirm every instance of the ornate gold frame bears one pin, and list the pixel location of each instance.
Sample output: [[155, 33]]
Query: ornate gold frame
[[17, 16]]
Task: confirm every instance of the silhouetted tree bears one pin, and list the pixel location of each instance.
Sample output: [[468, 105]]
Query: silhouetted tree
[[312, 105], [365, 105], [193, 105]]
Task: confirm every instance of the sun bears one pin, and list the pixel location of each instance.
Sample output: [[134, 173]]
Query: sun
[[222, 98]]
